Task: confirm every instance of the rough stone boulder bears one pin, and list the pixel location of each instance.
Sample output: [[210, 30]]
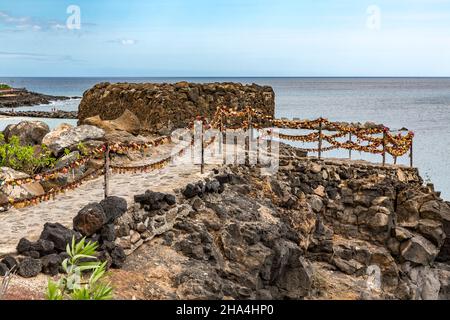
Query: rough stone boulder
[[55, 133], [39, 248], [29, 132], [17, 191], [155, 200], [113, 207], [128, 122], [69, 137], [30, 267], [10, 262], [51, 264], [3, 269], [89, 219], [160, 106], [59, 235], [419, 250]]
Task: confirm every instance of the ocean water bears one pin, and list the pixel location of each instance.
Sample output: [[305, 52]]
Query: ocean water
[[419, 104]]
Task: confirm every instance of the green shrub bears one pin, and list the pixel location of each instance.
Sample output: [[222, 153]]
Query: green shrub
[[75, 284], [24, 158], [4, 86], [82, 148]]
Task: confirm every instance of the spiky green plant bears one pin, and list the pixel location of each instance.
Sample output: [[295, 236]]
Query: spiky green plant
[[75, 285]]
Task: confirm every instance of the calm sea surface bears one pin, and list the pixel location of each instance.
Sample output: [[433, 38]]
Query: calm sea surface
[[420, 104]]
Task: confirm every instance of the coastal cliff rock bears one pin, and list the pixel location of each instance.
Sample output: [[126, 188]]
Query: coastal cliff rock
[[14, 98], [162, 106]]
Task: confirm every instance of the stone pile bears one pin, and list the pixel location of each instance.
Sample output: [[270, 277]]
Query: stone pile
[[158, 105], [95, 222]]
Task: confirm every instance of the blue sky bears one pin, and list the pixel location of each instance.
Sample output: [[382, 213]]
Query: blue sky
[[226, 38]]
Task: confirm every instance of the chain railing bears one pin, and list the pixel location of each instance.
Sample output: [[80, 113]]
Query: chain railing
[[367, 140], [376, 140]]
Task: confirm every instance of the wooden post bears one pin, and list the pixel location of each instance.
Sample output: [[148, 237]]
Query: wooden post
[[202, 137], [220, 133], [411, 154], [225, 142], [250, 126], [250, 137], [107, 163], [384, 148], [320, 140], [350, 150]]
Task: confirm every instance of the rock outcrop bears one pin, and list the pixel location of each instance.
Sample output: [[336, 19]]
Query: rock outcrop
[[29, 132], [160, 107], [127, 122], [20, 97], [315, 229], [66, 136]]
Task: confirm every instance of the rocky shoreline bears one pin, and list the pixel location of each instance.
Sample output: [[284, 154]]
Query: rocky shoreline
[[41, 114], [14, 98]]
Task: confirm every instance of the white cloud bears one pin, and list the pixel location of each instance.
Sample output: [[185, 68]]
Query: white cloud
[[124, 42], [24, 23], [128, 42]]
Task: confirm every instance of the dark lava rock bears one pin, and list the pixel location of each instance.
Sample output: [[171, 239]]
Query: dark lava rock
[[154, 200], [192, 190], [24, 245], [224, 178], [108, 233], [105, 256], [90, 219], [94, 238], [44, 247], [59, 235], [113, 207], [118, 257], [212, 186], [3, 269], [51, 264], [63, 255], [170, 199], [30, 267], [10, 262], [108, 246], [32, 254]]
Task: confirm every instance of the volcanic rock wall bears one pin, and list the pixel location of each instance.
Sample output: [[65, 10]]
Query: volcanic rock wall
[[348, 216], [161, 106]]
